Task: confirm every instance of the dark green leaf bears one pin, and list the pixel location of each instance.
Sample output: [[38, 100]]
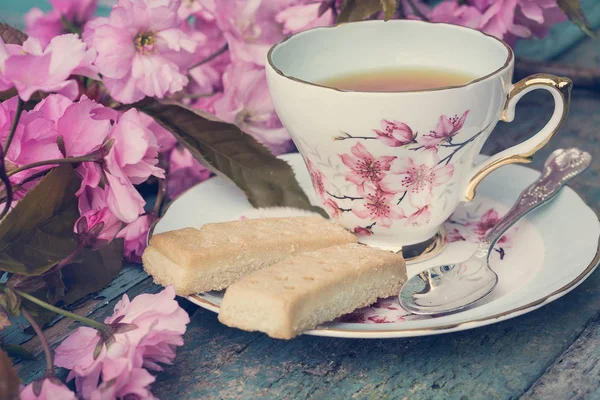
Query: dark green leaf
[[92, 271], [357, 10], [38, 232], [96, 270], [573, 10], [9, 380], [389, 8], [11, 35], [266, 180], [16, 351]]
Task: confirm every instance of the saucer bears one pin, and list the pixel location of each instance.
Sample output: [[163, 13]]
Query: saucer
[[546, 255]]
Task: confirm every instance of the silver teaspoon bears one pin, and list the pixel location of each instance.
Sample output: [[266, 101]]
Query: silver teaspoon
[[448, 288]]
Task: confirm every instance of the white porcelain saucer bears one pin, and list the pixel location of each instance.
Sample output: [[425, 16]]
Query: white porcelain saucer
[[544, 257]]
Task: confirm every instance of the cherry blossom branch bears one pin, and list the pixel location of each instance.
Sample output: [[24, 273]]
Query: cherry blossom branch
[[344, 209], [211, 57], [459, 146], [348, 136], [7, 185], [160, 196], [43, 341], [402, 197], [344, 197], [105, 329], [68, 160]]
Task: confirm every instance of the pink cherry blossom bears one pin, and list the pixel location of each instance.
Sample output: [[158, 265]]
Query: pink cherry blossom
[[137, 47], [378, 206], [420, 217], [135, 149], [361, 231], [250, 27], [498, 17], [418, 177], [34, 139], [513, 19], [6, 50], [364, 166], [89, 30], [165, 139], [332, 208], [93, 208], [317, 178], [445, 129], [47, 389], [48, 68], [385, 311], [453, 13], [121, 380], [184, 172], [304, 16], [394, 133], [97, 228], [246, 102], [81, 130], [159, 324], [539, 16], [487, 221], [135, 236], [131, 160], [454, 235], [46, 26]]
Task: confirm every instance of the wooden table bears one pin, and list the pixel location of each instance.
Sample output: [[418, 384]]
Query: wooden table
[[551, 353]]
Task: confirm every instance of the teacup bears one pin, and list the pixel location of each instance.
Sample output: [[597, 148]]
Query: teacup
[[393, 166]]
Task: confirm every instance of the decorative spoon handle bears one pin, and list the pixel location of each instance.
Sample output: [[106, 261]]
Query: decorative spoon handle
[[560, 167]]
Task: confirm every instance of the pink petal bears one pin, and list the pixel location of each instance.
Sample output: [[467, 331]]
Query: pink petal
[[349, 161], [124, 201], [361, 211], [389, 141], [361, 152], [420, 197], [443, 174]]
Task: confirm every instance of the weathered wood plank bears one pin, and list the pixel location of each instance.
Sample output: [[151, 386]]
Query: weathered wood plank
[[576, 373]]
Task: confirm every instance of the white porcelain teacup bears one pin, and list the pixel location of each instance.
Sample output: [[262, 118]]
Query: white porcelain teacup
[[393, 166]]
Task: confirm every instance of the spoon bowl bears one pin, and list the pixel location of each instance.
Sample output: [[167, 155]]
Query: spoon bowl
[[448, 288]]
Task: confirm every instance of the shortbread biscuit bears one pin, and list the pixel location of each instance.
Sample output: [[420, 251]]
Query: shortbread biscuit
[[216, 255], [303, 291]]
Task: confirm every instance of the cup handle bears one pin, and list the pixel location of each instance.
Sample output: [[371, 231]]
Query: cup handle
[[560, 88]]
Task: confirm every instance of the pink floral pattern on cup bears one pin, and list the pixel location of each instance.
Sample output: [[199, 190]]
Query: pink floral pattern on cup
[[468, 227], [387, 188]]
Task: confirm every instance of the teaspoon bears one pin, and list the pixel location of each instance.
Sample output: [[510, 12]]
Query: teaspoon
[[451, 287]]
